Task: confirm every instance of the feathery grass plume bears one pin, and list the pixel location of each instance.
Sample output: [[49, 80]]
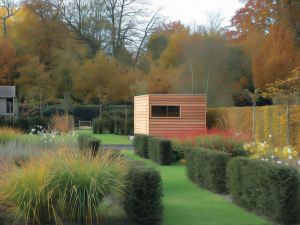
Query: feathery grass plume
[[61, 184], [82, 181], [24, 190], [62, 123], [9, 134]]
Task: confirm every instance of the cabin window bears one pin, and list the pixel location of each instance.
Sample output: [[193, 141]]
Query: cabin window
[[9, 105], [165, 111]]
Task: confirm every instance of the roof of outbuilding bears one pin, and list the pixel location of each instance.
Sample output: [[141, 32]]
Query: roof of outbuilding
[[7, 91]]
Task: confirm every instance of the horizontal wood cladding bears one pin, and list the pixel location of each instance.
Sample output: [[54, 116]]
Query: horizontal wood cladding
[[141, 112], [192, 114]]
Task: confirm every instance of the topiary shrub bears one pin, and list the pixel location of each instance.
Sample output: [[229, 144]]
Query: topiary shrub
[[140, 144], [86, 142], [207, 168], [160, 151], [267, 188], [143, 196]]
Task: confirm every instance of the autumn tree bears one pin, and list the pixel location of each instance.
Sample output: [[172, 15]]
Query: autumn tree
[[36, 88], [277, 57], [8, 8], [93, 78], [110, 26], [8, 63]]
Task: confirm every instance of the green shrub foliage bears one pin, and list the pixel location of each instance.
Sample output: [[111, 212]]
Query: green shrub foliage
[[114, 122], [140, 144], [207, 168], [26, 124], [143, 199], [160, 151], [267, 188], [87, 142]]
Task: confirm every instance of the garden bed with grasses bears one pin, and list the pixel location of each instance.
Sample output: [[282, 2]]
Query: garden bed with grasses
[[47, 178]]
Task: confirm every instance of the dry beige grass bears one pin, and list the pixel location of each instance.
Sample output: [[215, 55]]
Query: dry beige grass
[[62, 123]]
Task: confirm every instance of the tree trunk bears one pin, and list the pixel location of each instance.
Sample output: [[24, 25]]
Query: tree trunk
[[287, 124], [126, 118], [4, 29], [254, 121]]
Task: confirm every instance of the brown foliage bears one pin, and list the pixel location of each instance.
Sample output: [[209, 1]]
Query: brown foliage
[[8, 63], [64, 124], [277, 57]]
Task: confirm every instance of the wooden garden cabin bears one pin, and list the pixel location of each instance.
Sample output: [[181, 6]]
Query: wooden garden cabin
[[164, 114]]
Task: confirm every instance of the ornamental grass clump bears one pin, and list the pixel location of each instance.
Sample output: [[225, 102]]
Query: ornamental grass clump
[[24, 191], [60, 186], [62, 123], [83, 181], [8, 134]]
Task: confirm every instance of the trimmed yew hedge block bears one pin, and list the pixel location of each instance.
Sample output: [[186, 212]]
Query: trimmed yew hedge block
[[267, 188], [207, 168]]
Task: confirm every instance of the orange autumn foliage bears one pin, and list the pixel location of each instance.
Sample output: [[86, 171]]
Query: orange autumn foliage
[[8, 63], [277, 57]]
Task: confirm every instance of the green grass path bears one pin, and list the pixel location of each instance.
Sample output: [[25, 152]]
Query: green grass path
[[108, 138], [187, 204]]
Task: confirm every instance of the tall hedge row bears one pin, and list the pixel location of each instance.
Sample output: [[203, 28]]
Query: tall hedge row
[[143, 197], [267, 188], [140, 144], [207, 168], [160, 151]]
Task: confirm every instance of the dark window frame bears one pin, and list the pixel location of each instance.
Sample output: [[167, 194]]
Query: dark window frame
[[9, 105], [167, 115]]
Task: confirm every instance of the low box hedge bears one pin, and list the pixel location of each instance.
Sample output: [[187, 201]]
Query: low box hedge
[[143, 196], [207, 168], [140, 144], [267, 188], [160, 151], [86, 142]]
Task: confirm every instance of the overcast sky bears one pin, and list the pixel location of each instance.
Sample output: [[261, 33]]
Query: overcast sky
[[193, 12]]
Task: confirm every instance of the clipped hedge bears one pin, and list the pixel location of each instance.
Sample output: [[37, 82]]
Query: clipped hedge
[[88, 142], [143, 196], [140, 144], [267, 188], [160, 151], [207, 168]]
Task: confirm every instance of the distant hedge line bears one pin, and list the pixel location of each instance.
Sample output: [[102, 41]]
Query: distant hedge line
[[25, 124], [114, 122]]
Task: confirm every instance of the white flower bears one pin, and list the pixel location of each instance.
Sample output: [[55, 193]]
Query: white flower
[[267, 160], [263, 159], [290, 157], [272, 157], [289, 150], [279, 162], [299, 162]]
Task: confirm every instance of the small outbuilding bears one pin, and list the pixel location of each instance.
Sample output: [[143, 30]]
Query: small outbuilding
[[166, 114], [9, 106]]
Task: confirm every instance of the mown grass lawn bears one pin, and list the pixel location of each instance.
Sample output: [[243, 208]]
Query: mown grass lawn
[[108, 138], [187, 204]]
